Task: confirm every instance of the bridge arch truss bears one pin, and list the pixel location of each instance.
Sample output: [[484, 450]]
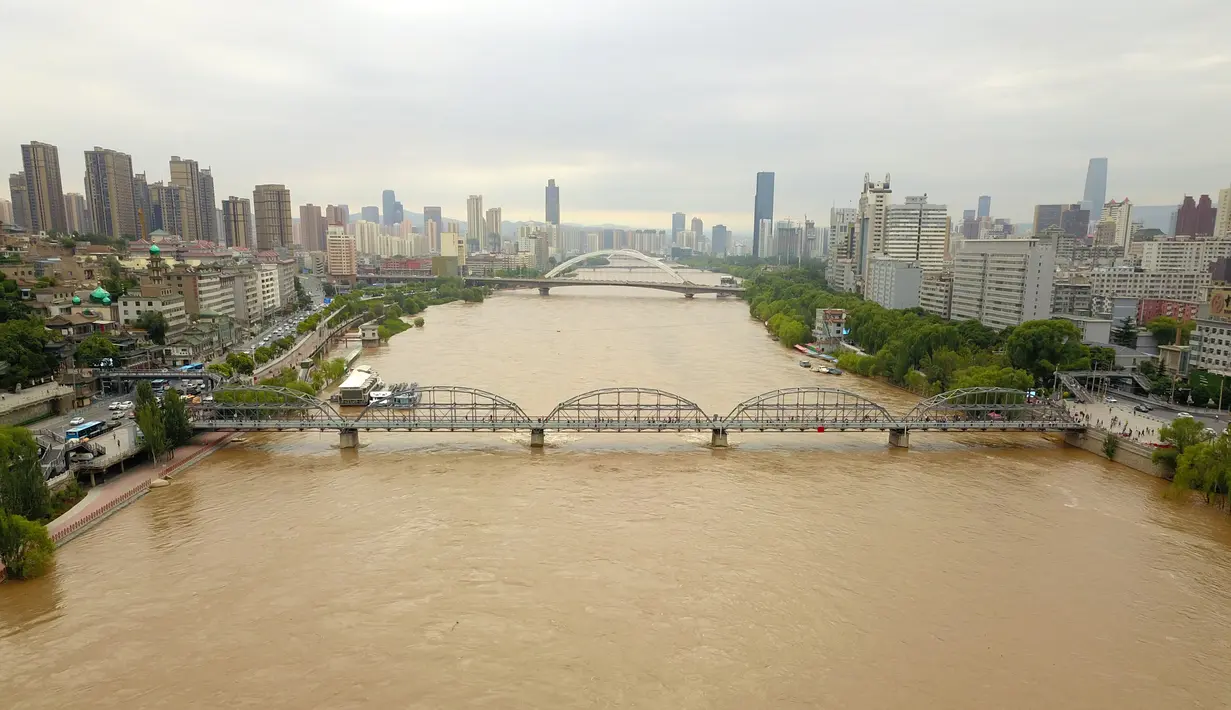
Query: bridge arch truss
[[630, 253], [445, 408], [807, 408], [628, 409], [264, 407], [986, 404]]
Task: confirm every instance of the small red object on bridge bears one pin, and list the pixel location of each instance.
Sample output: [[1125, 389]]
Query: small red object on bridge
[[820, 430]]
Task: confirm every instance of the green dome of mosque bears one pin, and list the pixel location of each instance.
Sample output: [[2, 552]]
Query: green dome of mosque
[[106, 300], [154, 249], [76, 300], [99, 294]]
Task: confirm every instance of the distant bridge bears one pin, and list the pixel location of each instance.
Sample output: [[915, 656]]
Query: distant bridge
[[634, 409], [552, 279]]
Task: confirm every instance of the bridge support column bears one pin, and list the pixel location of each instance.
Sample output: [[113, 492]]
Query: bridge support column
[[537, 438], [689, 295], [718, 438], [899, 438], [348, 439], [545, 291]]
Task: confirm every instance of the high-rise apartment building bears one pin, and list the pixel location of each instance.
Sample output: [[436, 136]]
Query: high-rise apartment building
[[553, 203], [1222, 220], [1047, 216], [21, 200], [337, 214], [1183, 254], [312, 227], [1195, 218], [168, 208], [142, 208], [341, 256], [187, 175], [873, 219], [432, 214], [762, 208], [917, 232], [236, 220], [893, 283], [1003, 282], [1121, 213], [109, 192], [271, 205], [207, 207], [492, 229], [371, 213], [44, 188], [720, 240], [1074, 220], [6, 211], [1095, 195], [698, 227], [985, 207], [677, 226], [843, 235], [476, 227], [77, 213]]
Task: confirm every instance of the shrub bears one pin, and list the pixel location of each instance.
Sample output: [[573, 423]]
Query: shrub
[[25, 547]]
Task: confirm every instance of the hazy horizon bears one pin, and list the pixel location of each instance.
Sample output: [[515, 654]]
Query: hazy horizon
[[637, 109]]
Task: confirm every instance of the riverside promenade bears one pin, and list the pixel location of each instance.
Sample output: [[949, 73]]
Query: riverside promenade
[[118, 492]]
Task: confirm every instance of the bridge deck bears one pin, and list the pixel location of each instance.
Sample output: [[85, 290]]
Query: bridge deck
[[628, 426]]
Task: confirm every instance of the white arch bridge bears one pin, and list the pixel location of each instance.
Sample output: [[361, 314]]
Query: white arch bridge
[[632, 409], [554, 278]]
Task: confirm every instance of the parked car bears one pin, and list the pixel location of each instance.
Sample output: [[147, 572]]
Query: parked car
[[76, 421], [81, 456], [126, 404], [1144, 408], [1183, 415], [113, 406], [1110, 400], [117, 415]]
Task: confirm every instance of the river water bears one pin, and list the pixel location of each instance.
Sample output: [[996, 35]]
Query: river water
[[789, 571]]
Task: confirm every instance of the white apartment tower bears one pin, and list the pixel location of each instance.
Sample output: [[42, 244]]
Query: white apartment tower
[[842, 232], [873, 219], [1121, 213], [917, 232], [476, 224], [1003, 282]]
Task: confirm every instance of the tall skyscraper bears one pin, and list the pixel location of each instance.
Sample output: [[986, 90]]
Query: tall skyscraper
[[236, 218], [918, 232], [387, 198], [109, 192], [762, 209], [677, 226], [698, 227], [492, 227], [77, 213], [1195, 218], [1222, 222], [142, 209], [44, 189], [985, 206], [370, 213], [1047, 216], [337, 214], [207, 206], [1121, 214], [553, 203], [720, 240], [476, 227], [1095, 195], [21, 200], [843, 233], [873, 219], [312, 227], [168, 208], [187, 175], [271, 205], [432, 214]]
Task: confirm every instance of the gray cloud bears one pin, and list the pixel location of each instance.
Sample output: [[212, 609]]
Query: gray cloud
[[637, 108]]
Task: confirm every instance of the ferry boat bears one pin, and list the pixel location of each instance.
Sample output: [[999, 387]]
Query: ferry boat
[[834, 371], [357, 390], [805, 363], [823, 370]]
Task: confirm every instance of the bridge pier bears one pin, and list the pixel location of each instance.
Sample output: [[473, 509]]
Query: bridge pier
[[537, 436], [689, 295], [348, 439], [545, 291], [718, 438], [899, 438]]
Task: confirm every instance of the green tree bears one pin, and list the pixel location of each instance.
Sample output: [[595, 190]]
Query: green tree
[[222, 369], [155, 325], [1205, 467], [145, 394], [262, 354], [175, 420], [23, 490], [1111, 444], [1181, 433], [1125, 333], [1041, 346], [94, 349], [26, 550], [1165, 328], [241, 363], [149, 421], [23, 346], [419, 322]]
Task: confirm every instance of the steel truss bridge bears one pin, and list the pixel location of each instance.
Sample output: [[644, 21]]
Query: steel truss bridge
[[555, 277], [632, 409]]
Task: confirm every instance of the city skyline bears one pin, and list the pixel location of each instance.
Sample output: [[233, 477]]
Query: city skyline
[[1000, 123]]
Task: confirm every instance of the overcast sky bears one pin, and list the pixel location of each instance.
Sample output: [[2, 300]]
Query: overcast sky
[[637, 108]]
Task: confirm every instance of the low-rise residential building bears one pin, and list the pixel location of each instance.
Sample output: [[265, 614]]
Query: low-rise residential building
[[1150, 308], [893, 283], [1071, 295], [1096, 331], [936, 293], [1210, 341], [1139, 284], [841, 276], [205, 290], [1003, 282]]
